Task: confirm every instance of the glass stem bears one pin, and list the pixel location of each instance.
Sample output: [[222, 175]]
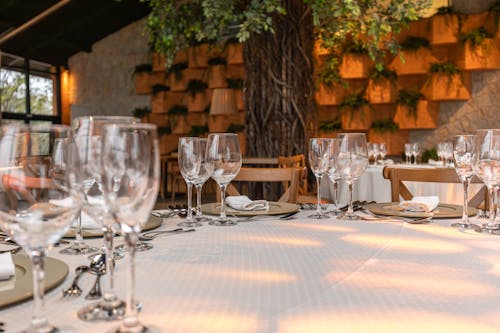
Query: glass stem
[[335, 194], [497, 215], [223, 202], [39, 319], [190, 203], [465, 213], [78, 236], [109, 294], [491, 223], [318, 184], [198, 200], [131, 319], [350, 210]]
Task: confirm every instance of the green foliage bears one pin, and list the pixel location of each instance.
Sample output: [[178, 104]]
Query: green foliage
[[143, 68], [235, 128], [164, 131], [330, 126], [178, 110], [196, 86], [354, 101], [159, 88], [383, 126], [383, 73], [177, 69], [198, 130], [217, 61], [234, 83], [330, 71], [445, 10], [355, 48], [429, 154], [475, 37], [141, 112], [410, 99], [412, 43], [446, 68]]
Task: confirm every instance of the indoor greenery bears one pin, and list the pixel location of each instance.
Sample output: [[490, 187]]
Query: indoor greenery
[[447, 68], [178, 110], [217, 61], [196, 86], [354, 101], [235, 84], [164, 131], [143, 68], [330, 126], [159, 88], [410, 99], [177, 69], [198, 130], [475, 37], [383, 74], [383, 126], [141, 112], [235, 128], [430, 154], [412, 43]]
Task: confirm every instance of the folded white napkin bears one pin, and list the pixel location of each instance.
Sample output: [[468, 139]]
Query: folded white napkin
[[242, 202], [7, 268], [87, 221], [434, 162], [420, 204]]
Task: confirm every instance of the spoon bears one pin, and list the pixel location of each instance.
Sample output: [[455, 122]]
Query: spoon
[[74, 289]]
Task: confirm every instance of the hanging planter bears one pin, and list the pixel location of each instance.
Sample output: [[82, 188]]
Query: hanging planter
[[444, 26], [142, 77], [382, 86], [173, 98], [217, 123], [177, 80], [197, 118], [159, 62], [387, 131], [234, 50], [217, 73], [175, 114], [142, 113], [355, 113], [329, 129], [158, 100], [414, 112], [415, 57], [356, 64], [159, 119], [331, 95], [197, 97], [198, 131], [237, 86], [445, 83], [478, 50]]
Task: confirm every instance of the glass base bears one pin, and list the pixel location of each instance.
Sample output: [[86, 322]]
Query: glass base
[[223, 223], [464, 225], [492, 230], [139, 247], [203, 218], [105, 311], [131, 325], [41, 325], [77, 249], [318, 216], [348, 217], [187, 224]]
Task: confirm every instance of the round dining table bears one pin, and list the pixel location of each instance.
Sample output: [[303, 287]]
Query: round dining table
[[301, 275]]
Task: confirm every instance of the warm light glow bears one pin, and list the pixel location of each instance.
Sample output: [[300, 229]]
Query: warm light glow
[[291, 241], [250, 275], [412, 244], [330, 227]]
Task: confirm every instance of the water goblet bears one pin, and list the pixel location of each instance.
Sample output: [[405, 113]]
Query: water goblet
[[43, 197], [319, 158], [376, 153], [202, 176], [415, 151], [189, 157], [351, 160], [382, 148], [464, 148], [224, 157], [440, 152], [130, 174], [408, 151], [334, 177]]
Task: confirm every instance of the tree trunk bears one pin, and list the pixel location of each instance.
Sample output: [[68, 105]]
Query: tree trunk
[[279, 85]]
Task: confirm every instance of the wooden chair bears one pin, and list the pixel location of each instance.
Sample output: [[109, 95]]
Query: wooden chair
[[296, 161], [269, 175], [25, 187], [437, 175]]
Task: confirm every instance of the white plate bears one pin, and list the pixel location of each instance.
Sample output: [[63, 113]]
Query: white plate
[[275, 208]]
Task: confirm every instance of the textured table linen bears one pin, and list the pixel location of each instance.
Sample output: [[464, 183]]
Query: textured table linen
[[306, 276]]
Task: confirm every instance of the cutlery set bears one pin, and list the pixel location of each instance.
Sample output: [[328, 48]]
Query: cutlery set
[[97, 266]]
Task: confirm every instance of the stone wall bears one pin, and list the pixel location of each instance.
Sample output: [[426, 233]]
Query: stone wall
[[102, 81]]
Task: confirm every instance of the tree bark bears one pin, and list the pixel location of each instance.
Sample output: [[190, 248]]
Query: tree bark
[[279, 85]]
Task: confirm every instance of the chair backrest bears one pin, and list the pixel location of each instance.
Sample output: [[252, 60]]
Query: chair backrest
[[295, 161], [24, 186], [269, 175], [434, 175]]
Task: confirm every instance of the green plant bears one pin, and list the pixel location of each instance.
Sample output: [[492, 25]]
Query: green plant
[[196, 86], [446, 68], [198, 130], [410, 99], [429, 154], [475, 37], [235, 128], [178, 110], [330, 126], [354, 101], [330, 71], [413, 43], [141, 112], [177, 70], [446, 10], [383, 126], [159, 88], [234, 83], [164, 131], [383, 73], [143, 68], [217, 61], [355, 48]]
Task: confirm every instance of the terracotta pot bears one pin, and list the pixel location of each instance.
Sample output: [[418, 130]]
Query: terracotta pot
[[381, 91], [168, 143], [217, 76], [158, 104], [159, 119], [159, 62], [238, 95], [182, 127], [426, 116], [180, 56], [198, 56], [474, 21], [196, 74], [334, 95], [441, 87], [418, 28], [415, 62], [444, 29], [234, 54], [360, 119], [198, 103], [355, 66], [178, 81], [235, 71], [173, 98], [218, 124], [319, 50], [197, 118], [142, 85], [243, 143], [484, 56], [332, 134], [395, 141]]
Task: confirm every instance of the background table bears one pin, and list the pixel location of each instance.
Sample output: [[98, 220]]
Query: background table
[[304, 275]]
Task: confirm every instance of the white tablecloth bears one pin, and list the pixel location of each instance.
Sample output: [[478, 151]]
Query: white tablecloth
[[306, 276]]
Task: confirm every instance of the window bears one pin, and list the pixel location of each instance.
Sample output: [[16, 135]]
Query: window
[[29, 91]]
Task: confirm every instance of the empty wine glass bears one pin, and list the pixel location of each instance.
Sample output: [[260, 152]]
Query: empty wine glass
[[130, 174], [189, 157], [486, 165], [89, 142], [351, 161], [319, 157], [464, 148], [408, 151], [382, 150], [224, 156], [42, 198], [334, 177], [415, 151], [203, 175], [371, 152]]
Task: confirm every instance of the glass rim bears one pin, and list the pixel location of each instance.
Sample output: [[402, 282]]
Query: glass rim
[[147, 126], [222, 133], [99, 117]]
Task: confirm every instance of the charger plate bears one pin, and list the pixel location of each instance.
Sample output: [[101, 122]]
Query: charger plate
[[152, 223], [275, 208], [55, 273], [443, 211]]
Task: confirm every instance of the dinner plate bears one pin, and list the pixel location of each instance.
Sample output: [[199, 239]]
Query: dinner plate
[[443, 211], [55, 273], [152, 223], [275, 208]]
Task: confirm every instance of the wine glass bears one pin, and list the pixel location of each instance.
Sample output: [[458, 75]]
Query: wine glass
[[376, 153], [371, 152], [408, 150], [89, 142], [130, 174], [189, 157], [42, 198], [224, 157], [486, 165], [351, 161], [203, 175], [415, 151], [382, 149], [319, 157], [334, 177], [464, 148]]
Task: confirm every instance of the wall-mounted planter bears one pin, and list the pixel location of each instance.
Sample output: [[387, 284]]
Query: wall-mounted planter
[[415, 62], [173, 98], [159, 119], [332, 134], [355, 66], [180, 56], [426, 116], [158, 102], [199, 102], [234, 54], [474, 21], [218, 123], [359, 119], [178, 81], [168, 143], [484, 56], [197, 118], [217, 76], [198, 55], [159, 62], [442, 87], [235, 71], [381, 91], [144, 81], [331, 95], [181, 126], [240, 103], [444, 29], [395, 141], [243, 143]]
